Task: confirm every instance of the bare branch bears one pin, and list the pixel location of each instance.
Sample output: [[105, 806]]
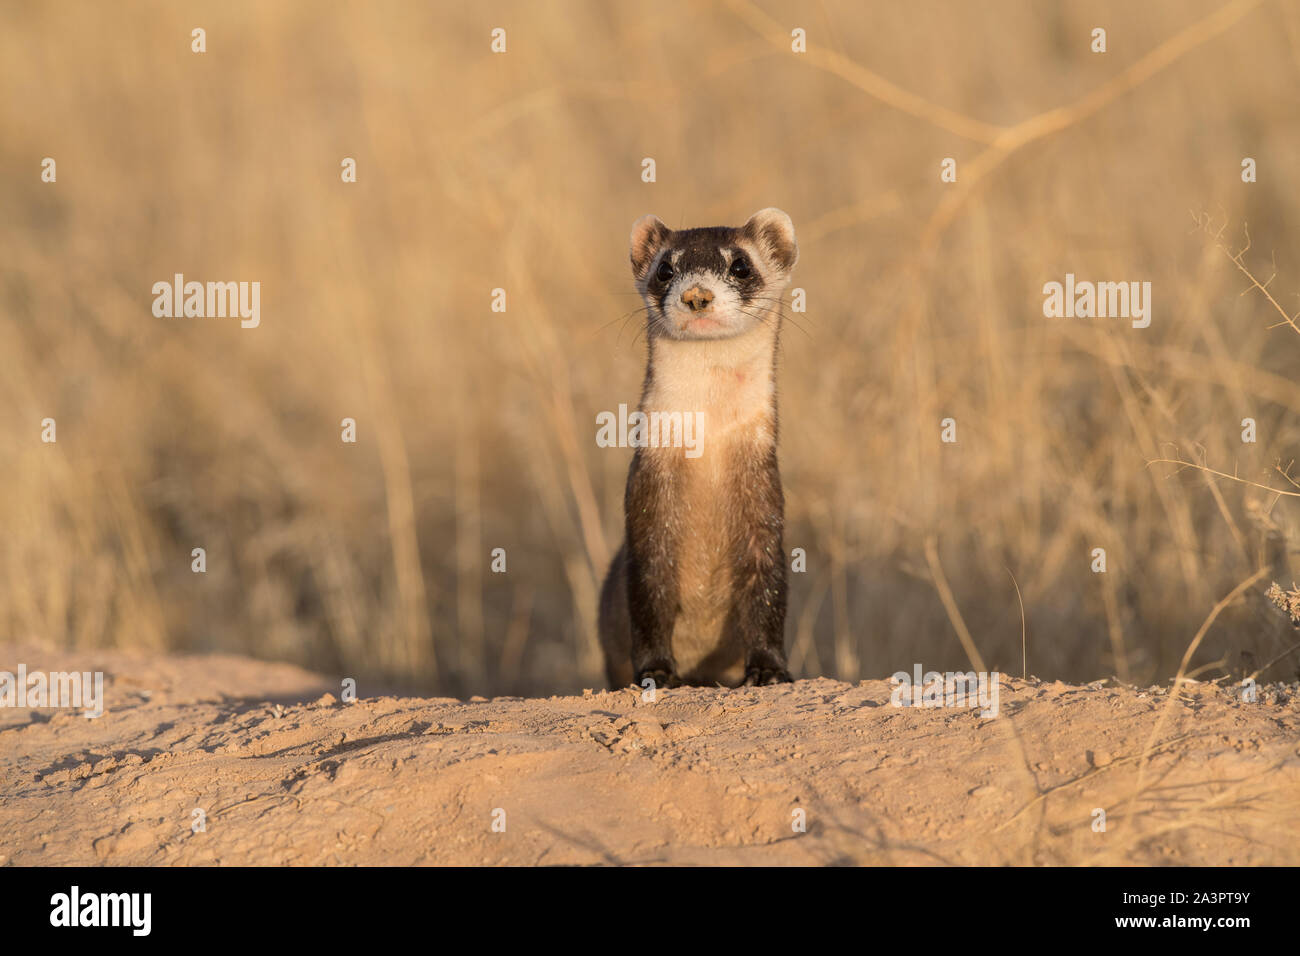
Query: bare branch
[[1237, 259], [1221, 474]]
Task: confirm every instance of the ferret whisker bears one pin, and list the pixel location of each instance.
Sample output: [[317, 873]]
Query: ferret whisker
[[621, 320]]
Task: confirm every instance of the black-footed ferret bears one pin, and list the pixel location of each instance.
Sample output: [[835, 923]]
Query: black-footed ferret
[[697, 593]]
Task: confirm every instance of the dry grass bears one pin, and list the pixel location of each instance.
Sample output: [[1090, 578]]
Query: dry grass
[[522, 171]]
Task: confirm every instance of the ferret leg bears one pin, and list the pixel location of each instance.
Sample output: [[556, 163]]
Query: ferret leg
[[652, 596], [757, 616]]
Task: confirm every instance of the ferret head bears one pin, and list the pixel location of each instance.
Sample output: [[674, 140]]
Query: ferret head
[[713, 283]]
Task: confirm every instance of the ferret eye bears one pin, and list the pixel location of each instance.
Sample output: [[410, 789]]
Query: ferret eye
[[740, 268], [665, 271]]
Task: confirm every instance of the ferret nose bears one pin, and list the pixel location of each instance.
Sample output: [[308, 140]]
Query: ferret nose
[[697, 299]]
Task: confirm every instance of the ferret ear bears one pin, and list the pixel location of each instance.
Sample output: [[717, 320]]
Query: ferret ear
[[772, 231], [648, 237]]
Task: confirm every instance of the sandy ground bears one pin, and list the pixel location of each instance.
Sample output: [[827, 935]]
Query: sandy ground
[[700, 776]]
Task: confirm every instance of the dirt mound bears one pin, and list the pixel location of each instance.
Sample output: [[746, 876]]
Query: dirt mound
[[698, 776]]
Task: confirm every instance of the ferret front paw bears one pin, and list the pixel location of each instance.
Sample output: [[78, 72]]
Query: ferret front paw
[[761, 675], [663, 676]]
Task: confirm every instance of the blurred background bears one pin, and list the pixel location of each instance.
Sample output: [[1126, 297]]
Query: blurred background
[[522, 171]]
